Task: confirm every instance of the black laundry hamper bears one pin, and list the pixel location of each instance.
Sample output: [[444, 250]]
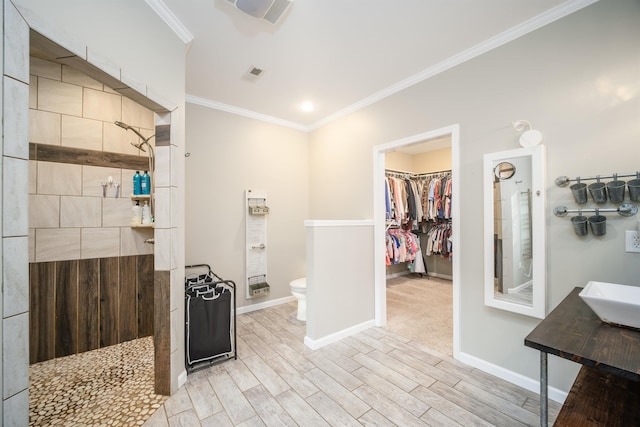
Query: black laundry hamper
[[210, 309]]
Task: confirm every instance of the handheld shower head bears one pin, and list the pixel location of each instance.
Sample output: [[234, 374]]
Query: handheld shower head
[[122, 125], [144, 140]]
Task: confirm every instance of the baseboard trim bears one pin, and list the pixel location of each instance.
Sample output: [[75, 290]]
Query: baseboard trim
[[337, 336], [182, 378], [513, 377], [398, 274], [266, 304], [440, 276]]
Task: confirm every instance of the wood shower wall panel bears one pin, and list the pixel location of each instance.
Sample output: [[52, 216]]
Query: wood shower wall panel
[[88, 304], [66, 309], [127, 301], [145, 295], [109, 273], [41, 311]]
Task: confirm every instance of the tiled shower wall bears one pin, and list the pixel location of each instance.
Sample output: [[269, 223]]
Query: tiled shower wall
[[91, 274], [69, 218]]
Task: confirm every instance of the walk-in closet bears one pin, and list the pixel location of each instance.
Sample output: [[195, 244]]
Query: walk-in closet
[[418, 243]]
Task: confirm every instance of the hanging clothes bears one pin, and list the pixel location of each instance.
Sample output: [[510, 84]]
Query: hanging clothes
[[404, 246], [419, 197]]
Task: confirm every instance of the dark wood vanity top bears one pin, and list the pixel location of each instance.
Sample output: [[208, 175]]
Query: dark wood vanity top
[[574, 332]]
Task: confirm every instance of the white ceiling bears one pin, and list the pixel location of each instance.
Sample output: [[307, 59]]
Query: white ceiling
[[338, 54]]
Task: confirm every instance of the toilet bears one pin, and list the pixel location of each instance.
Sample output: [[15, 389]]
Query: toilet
[[299, 290]]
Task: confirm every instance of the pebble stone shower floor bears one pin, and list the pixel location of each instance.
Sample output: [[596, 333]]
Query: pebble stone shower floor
[[111, 386]]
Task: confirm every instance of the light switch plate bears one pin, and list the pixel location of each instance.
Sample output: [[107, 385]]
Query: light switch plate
[[631, 241]]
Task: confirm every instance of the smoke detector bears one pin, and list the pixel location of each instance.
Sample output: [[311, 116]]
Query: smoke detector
[[269, 10]]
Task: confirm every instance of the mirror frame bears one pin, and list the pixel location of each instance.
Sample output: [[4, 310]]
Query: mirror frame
[[538, 222]]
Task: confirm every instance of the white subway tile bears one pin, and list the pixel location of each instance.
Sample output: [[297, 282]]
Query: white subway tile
[[44, 127], [15, 354], [116, 212], [162, 249], [16, 409], [176, 248], [15, 274], [73, 76], [101, 105], [59, 97], [44, 211], [15, 197], [16, 118], [81, 133], [100, 243], [16, 44], [163, 166], [32, 245], [176, 209], [94, 176], [59, 178], [33, 92], [33, 176], [162, 208], [57, 244], [76, 211], [43, 68], [103, 64]]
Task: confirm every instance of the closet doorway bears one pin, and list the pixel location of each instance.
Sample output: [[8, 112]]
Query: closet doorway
[[417, 286]]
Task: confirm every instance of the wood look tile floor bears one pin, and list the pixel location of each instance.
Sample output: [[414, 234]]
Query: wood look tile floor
[[374, 378]]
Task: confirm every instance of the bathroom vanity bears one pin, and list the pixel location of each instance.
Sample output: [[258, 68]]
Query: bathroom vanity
[[607, 389]]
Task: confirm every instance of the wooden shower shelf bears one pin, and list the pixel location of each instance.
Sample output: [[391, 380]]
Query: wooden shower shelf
[[143, 225]]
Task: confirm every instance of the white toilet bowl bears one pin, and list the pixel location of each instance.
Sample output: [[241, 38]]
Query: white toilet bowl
[[299, 290]]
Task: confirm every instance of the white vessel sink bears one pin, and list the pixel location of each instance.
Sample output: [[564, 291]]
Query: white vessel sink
[[613, 303]]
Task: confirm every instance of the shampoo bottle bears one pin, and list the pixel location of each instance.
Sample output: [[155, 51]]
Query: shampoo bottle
[[136, 218], [146, 213], [137, 184], [145, 183]]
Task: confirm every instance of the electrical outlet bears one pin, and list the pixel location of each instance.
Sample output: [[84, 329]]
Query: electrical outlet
[[631, 241]]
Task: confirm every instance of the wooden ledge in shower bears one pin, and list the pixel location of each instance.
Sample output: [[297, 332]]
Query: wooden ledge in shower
[[80, 156]]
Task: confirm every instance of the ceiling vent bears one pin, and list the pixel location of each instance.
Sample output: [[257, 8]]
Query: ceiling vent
[[269, 10]]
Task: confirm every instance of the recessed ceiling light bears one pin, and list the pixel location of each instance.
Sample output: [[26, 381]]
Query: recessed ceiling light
[[307, 107]]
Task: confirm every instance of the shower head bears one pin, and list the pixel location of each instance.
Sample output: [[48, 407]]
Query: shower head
[[122, 125], [144, 140]]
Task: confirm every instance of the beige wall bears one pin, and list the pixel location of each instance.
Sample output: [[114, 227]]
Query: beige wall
[[68, 216], [577, 80], [432, 161], [228, 155]]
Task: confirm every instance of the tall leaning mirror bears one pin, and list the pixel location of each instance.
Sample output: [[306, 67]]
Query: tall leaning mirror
[[514, 231]]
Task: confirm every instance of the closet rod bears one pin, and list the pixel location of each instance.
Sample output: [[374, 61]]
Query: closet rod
[[563, 181], [625, 209], [446, 171]]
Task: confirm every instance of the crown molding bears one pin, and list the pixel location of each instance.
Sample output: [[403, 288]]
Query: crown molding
[[171, 20], [192, 99], [494, 42]]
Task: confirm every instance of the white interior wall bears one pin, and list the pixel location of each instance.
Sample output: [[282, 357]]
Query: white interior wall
[[576, 80], [229, 154]]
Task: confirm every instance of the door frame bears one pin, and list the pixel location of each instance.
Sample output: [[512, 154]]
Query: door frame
[[380, 281]]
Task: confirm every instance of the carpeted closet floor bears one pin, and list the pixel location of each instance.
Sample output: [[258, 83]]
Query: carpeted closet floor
[[421, 308]]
